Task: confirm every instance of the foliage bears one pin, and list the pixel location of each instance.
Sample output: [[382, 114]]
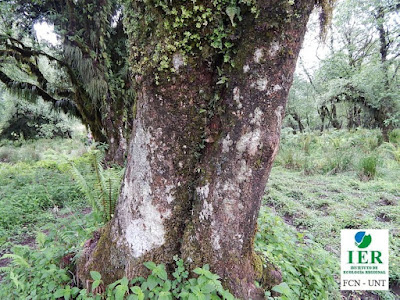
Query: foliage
[[368, 166], [31, 121], [27, 189], [319, 206], [102, 192], [356, 85], [43, 149], [39, 273], [157, 285], [190, 28], [25, 279], [85, 73], [307, 269], [333, 152], [35, 189]]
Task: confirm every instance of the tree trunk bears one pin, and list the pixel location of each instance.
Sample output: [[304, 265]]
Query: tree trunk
[[297, 118], [117, 143], [333, 116], [200, 156], [110, 130]]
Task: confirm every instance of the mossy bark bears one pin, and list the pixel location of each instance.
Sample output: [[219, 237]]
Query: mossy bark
[[200, 156]]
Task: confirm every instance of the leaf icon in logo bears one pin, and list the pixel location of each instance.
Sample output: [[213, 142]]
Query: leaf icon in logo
[[362, 240], [365, 242], [359, 236]]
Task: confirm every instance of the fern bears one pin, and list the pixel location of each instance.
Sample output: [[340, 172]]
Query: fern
[[17, 259], [103, 193], [84, 187], [5, 269]]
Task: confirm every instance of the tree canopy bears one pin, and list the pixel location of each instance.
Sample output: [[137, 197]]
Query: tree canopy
[[357, 84], [86, 73]]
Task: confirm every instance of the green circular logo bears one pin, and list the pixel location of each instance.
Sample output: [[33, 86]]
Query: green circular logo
[[362, 240]]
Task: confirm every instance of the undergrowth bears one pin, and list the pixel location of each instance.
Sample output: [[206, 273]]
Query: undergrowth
[[298, 232], [308, 270], [319, 206], [340, 151]]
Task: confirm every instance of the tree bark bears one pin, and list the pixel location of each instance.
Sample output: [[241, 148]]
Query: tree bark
[[198, 164], [297, 118]]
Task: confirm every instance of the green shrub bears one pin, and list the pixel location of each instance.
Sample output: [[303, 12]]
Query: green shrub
[[43, 149], [37, 275], [157, 285], [307, 269], [334, 152], [368, 167], [28, 190], [394, 136]]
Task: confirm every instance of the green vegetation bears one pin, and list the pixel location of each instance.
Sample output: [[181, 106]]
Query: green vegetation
[[338, 192], [55, 192], [29, 121], [45, 220]]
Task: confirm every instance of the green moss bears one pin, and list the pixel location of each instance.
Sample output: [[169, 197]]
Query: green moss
[[258, 265], [191, 28]]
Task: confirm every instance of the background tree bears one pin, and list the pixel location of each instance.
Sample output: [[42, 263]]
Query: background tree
[[357, 83], [212, 81], [91, 79]]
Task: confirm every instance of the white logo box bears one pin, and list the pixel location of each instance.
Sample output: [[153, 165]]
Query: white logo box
[[365, 260]]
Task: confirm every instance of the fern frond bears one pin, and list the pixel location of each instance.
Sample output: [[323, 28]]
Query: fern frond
[[100, 183], [18, 260], [84, 187], [5, 269], [40, 239]]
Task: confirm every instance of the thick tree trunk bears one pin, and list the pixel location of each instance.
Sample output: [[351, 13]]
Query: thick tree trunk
[[110, 130], [117, 143], [197, 166]]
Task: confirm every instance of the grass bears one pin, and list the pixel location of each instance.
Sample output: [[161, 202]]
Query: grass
[[43, 149], [320, 184]]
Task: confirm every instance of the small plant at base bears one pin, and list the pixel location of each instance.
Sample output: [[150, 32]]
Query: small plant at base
[[156, 286]]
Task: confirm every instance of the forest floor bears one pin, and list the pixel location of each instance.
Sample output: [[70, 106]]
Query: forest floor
[[319, 206], [320, 184]]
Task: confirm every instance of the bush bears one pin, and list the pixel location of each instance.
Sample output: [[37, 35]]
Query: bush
[[394, 136], [31, 121], [339, 151], [368, 167], [307, 269], [38, 275]]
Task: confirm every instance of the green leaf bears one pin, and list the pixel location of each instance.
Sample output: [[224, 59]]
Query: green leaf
[[150, 265], [283, 288], [137, 291], [164, 296], [167, 286], [124, 281], [152, 282], [95, 275], [231, 11], [208, 288], [95, 284], [160, 272], [120, 292], [59, 293]]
